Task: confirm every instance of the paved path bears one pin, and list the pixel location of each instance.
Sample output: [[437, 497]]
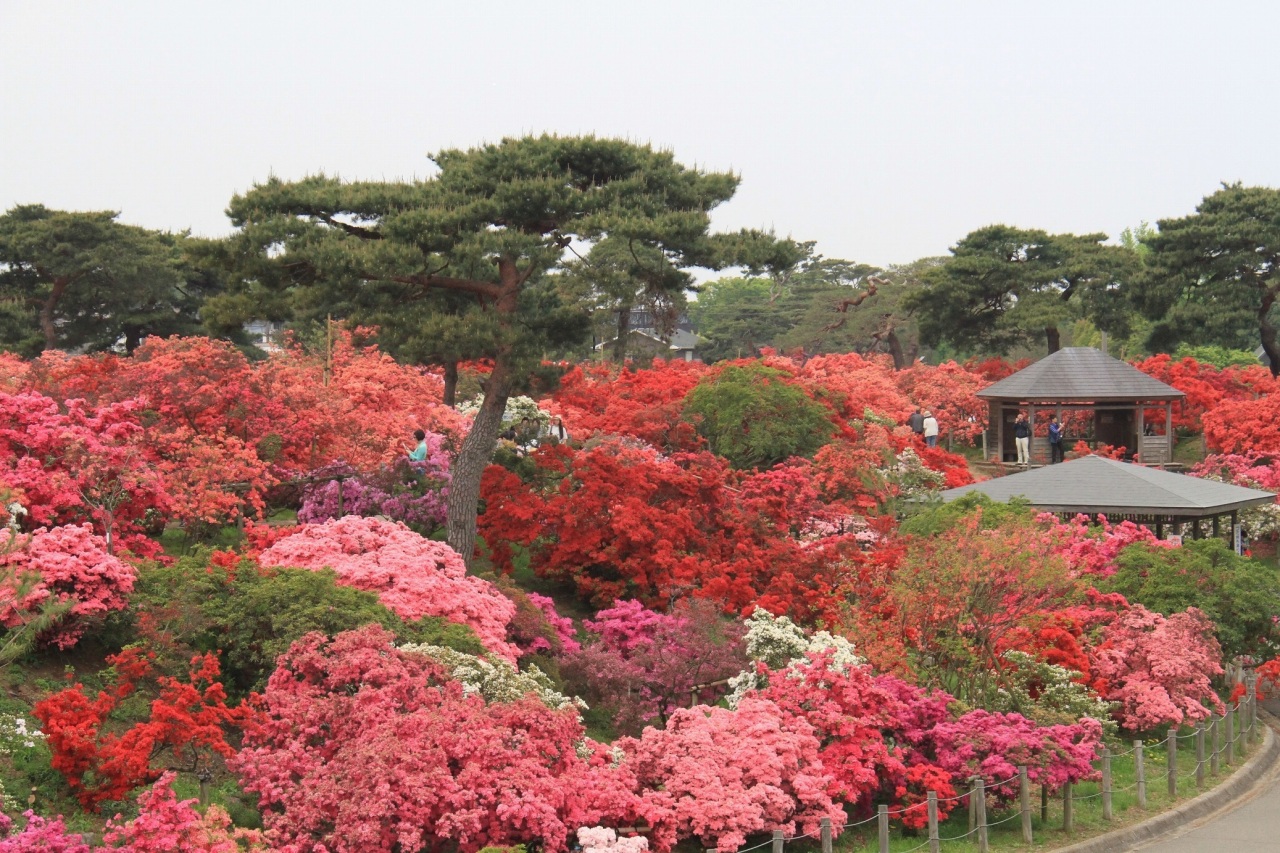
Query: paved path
[[1248, 825]]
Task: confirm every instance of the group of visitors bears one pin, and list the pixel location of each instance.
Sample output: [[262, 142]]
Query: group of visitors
[[1022, 439], [925, 425], [525, 435]]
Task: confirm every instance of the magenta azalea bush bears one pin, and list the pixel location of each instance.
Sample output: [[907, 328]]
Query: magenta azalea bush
[[415, 493]]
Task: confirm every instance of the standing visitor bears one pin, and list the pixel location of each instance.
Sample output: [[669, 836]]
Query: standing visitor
[[930, 429], [916, 422], [1022, 439], [1055, 441]]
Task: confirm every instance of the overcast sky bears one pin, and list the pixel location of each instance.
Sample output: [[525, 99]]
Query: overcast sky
[[884, 131]]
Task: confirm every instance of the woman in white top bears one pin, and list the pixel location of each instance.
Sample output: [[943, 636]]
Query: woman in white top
[[930, 429]]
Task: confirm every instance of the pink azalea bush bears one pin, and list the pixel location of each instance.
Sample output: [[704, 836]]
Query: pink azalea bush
[[364, 746], [720, 775], [39, 834], [165, 824], [413, 576], [72, 565], [1157, 669], [566, 634]]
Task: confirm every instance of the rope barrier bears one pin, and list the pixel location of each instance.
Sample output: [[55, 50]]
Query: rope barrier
[[854, 825], [1004, 819], [959, 837], [905, 809], [1076, 799], [758, 846], [917, 847], [1012, 778]]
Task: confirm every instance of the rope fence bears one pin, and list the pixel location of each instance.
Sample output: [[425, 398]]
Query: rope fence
[[1176, 765]]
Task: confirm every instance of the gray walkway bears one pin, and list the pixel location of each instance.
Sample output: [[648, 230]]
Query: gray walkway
[[1250, 824], [1253, 825]]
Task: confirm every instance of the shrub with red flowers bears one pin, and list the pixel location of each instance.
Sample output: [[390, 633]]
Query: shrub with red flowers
[[412, 576], [1091, 548], [189, 721]]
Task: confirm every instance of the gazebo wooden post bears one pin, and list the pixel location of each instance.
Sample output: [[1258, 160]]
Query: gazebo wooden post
[[1139, 423], [1168, 431], [1216, 529], [1031, 442], [1195, 528], [1159, 530]]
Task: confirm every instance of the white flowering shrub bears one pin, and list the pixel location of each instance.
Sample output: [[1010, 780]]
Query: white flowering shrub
[[599, 839], [494, 678], [518, 408], [912, 477], [1048, 694], [777, 642]]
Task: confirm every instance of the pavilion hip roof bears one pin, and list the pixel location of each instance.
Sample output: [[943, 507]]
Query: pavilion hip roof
[[1080, 375]]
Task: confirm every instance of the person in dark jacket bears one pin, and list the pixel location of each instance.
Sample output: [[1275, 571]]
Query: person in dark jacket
[[1055, 441], [916, 422], [1022, 439]]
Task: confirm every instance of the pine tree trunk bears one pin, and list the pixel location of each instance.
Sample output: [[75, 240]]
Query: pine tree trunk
[[1268, 329], [473, 457], [477, 447], [1053, 338], [895, 349], [620, 342], [450, 383], [47, 324]]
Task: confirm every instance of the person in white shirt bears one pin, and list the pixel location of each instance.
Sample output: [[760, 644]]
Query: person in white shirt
[[930, 429]]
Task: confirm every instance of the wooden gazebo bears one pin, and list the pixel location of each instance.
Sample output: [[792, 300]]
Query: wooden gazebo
[[1163, 501], [1082, 378]]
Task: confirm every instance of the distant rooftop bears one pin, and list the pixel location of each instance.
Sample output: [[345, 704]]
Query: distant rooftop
[[1081, 375], [1095, 484]]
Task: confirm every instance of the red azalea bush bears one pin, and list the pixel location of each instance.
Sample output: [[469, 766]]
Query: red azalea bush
[[189, 721], [1207, 386], [645, 403], [413, 576], [1244, 427]]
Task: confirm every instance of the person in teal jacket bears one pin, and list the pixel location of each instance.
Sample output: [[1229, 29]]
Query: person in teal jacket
[[419, 453]]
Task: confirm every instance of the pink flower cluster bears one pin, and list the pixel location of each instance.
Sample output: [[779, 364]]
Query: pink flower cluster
[[413, 576], [71, 564]]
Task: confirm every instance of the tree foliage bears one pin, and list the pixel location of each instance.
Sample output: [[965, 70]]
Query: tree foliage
[[1212, 277]]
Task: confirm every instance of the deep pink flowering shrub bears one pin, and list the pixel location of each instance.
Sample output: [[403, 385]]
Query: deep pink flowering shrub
[[39, 834], [73, 565], [720, 775], [992, 746], [413, 492], [566, 634], [642, 665], [366, 747], [859, 719], [413, 576], [1091, 549], [1158, 669]]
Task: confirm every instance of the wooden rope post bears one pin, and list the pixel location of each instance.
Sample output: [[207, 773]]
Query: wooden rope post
[[1231, 735], [1171, 750], [1024, 803], [1216, 737], [1200, 754], [980, 794], [1044, 803], [777, 841], [1068, 809], [1139, 769], [882, 819], [935, 842], [826, 835], [1106, 784]]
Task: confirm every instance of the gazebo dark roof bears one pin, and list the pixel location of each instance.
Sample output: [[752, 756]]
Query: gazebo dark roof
[[1095, 484], [1079, 374]]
